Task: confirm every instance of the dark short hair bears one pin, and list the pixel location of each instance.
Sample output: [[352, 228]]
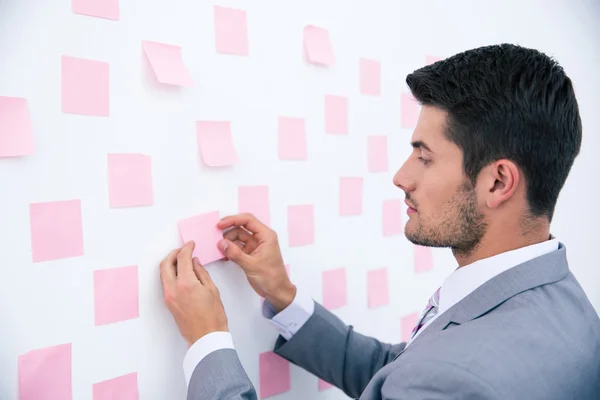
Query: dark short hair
[[507, 101]]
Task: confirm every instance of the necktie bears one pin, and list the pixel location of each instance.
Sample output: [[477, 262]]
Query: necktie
[[430, 311]]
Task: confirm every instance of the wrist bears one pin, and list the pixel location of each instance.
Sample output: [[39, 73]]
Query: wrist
[[282, 297]]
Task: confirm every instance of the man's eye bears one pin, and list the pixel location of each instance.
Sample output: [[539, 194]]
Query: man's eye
[[424, 161]]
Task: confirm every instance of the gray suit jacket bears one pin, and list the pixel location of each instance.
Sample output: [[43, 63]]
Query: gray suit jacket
[[529, 333]]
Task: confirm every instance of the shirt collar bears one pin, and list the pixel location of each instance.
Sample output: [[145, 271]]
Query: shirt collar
[[465, 280]]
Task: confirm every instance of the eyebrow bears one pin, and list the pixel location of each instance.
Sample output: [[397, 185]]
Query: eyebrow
[[419, 144]]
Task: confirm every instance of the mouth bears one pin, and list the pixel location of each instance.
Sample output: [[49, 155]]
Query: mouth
[[410, 210]]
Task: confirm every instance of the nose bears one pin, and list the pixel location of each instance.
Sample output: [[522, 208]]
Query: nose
[[402, 178]]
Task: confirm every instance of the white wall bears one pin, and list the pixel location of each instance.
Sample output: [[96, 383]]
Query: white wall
[[48, 303]]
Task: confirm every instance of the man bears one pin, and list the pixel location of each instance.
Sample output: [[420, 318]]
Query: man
[[498, 132]]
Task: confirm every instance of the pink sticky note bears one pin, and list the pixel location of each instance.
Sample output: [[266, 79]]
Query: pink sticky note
[[274, 374], [301, 225], [45, 374], [85, 87], [16, 138], [167, 63], [129, 180], [392, 217], [56, 230], [334, 288], [202, 229], [410, 111], [351, 195], [407, 324], [370, 77], [116, 295], [378, 287], [216, 143], [324, 385], [108, 9], [336, 114], [124, 387], [317, 45], [292, 139], [431, 59], [255, 200], [423, 259], [231, 32], [377, 153]]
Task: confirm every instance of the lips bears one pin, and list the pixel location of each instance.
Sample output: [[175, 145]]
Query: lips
[[410, 207]]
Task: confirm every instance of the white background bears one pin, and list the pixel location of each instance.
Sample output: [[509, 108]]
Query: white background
[[50, 303]]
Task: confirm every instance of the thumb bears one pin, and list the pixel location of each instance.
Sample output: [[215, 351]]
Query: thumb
[[234, 253]]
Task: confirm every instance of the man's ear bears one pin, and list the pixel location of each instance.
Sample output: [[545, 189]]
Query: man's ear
[[500, 180]]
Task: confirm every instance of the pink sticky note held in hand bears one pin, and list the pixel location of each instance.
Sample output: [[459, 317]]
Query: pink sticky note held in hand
[[336, 114], [377, 153], [292, 139], [116, 295], [45, 374], [216, 143], [423, 259], [167, 63], [378, 287], [16, 138], [334, 288], [56, 230], [130, 180], [202, 229], [324, 385], [274, 374], [370, 77], [392, 217], [255, 200], [410, 111], [301, 225], [231, 32], [108, 9], [351, 195], [408, 323], [85, 87], [124, 387], [317, 45]]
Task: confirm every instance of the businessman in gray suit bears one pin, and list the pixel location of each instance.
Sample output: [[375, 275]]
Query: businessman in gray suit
[[498, 132]]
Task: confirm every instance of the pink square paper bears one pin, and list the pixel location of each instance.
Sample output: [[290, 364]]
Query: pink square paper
[[392, 217], [301, 225], [167, 63], [116, 295], [202, 229], [56, 230], [317, 45], [85, 87], [410, 111], [255, 200], [423, 259], [408, 323], [292, 139], [274, 374], [129, 180], [351, 195], [216, 143], [378, 287], [334, 288], [124, 387], [16, 138], [370, 77], [336, 114], [45, 374], [231, 31], [324, 385], [108, 9], [377, 148]]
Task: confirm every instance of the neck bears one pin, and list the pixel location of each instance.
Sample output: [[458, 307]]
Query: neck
[[502, 239]]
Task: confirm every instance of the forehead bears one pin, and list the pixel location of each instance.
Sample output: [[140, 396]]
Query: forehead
[[430, 130]]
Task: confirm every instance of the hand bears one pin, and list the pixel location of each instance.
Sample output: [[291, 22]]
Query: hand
[[191, 295], [255, 248]]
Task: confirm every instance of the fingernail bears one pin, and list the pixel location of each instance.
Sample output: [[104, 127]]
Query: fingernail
[[223, 245]]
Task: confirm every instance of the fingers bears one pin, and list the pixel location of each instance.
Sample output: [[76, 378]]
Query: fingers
[[234, 253], [167, 268], [238, 234], [185, 267], [201, 273], [248, 221]]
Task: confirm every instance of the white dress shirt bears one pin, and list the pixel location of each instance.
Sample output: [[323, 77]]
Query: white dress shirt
[[456, 287]]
